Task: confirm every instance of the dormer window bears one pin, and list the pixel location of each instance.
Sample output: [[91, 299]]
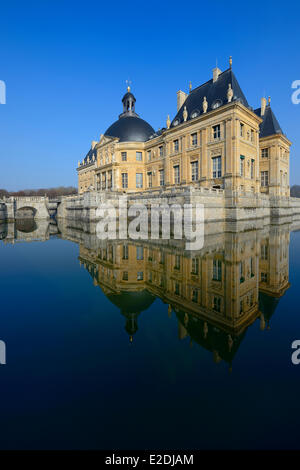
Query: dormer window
[[216, 104]]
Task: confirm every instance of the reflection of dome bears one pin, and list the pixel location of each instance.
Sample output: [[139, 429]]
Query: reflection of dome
[[130, 127], [132, 302]]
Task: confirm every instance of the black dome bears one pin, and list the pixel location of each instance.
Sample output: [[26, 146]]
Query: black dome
[[130, 129]]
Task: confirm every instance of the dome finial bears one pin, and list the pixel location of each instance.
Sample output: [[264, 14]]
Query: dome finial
[[128, 83], [230, 61]]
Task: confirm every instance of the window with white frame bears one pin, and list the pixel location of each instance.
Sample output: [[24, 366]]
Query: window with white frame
[[265, 153], [124, 180], [139, 156], [161, 151], [176, 145], [217, 167], [124, 156], [176, 174], [139, 180], [252, 168], [139, 253], [264, 178], [149, 174], [194, 168], [161, 177], [242, 160], [217, 270]]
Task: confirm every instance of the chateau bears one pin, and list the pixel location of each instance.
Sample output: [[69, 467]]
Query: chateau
[[216, 140]]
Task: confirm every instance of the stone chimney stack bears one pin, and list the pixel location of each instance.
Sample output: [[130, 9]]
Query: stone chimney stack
[[263, 106], [181, 97], [216, 73]]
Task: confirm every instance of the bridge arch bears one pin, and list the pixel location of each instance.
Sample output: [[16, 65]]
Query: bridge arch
[[26, 212]]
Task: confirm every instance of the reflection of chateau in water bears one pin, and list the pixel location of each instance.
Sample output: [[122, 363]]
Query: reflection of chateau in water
[[216, 293]]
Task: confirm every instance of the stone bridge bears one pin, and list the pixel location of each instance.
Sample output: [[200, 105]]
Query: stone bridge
[[13, 208]]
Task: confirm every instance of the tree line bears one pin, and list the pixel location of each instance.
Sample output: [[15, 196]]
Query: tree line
[[50, 192]]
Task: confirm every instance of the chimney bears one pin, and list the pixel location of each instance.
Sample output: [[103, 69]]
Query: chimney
[[263, 106], [216, 73], [181, 97]]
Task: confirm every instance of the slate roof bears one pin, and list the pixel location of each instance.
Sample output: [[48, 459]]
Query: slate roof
[[270, 125], [214, 92]]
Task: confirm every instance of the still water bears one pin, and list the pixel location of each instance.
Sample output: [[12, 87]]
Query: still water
[[123, 345]]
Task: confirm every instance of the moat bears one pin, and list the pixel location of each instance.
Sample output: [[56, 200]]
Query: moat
[[135, 344]]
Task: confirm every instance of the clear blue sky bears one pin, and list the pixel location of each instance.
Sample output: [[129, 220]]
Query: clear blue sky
[[65, 65]]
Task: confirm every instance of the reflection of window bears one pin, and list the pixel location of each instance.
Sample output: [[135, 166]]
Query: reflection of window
[[195, 265], [252, 169], [124, 180], [195, 295], [139, 252], [264, 178], [217, 304], [264, 277], [264, 252], [217, 168], [125, 251], [177, 289], [217, 270], [194, 166], [177, 262], [139, 180], [125, 275], [140, 275]]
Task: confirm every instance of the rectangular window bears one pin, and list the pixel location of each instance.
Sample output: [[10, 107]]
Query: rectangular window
[[139, 180], [242, 158], [252, 135], [194, 166], [124, 180], [177, 289], [217, 167], [241, 129], [125, 275], [140, 275], [265, 153], [149, 174], [217, 270], [124, 156], [217, 131], [264, 252], [176, 174], [161, 151], [139, 253], [194, 139], [176, 145], [264, 178], [149, 155], [139, 156], [252, 168], [161, 177]]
